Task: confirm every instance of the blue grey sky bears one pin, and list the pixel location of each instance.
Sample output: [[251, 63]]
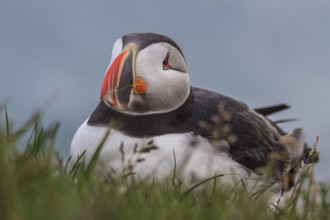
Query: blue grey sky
[[53, 55]]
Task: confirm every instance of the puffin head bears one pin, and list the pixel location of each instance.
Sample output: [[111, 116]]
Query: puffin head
[[147, 74]]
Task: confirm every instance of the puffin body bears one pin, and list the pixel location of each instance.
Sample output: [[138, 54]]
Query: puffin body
[[155, 124]]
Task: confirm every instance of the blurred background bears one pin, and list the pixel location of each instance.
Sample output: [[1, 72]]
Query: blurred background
[[53, 55]]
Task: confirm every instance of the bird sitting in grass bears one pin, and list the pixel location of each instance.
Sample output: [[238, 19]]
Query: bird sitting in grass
[[152, 123]]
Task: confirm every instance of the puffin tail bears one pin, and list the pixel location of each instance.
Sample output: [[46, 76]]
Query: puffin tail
[[268, 110]]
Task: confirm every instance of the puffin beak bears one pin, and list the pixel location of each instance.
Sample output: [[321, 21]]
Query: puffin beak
[[120, 79]]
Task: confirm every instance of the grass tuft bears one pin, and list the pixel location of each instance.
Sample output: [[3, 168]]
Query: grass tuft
[[36, 183]]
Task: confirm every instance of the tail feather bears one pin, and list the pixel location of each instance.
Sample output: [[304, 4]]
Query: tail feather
[[268, 110], [285, 120], [297, 149]]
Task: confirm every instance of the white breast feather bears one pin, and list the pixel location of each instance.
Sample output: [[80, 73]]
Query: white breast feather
[[193, 162]]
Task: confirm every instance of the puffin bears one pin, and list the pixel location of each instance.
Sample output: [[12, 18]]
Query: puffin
[[151, 123]]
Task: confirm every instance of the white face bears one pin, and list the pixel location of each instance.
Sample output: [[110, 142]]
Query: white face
[[167, 88], [163, 70]]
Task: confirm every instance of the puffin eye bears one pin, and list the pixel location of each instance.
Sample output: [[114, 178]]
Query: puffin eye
[[166, 64]]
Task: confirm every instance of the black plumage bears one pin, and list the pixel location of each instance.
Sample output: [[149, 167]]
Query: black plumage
[[250, 136]]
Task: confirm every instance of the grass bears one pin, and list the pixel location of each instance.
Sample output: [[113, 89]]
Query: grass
[[36, 183]]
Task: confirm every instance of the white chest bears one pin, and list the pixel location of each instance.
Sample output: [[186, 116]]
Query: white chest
[[192, 158]]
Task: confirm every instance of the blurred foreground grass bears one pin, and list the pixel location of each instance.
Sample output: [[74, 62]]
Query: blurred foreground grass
[[36, 183]]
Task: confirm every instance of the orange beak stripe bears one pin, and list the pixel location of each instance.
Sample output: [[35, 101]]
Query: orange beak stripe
[[111, 77]]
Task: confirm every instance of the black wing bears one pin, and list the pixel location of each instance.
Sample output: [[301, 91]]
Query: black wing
[[252, 137]]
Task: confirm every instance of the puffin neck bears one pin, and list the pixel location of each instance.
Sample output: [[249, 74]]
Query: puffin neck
[[104, 115], [184, 111]]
